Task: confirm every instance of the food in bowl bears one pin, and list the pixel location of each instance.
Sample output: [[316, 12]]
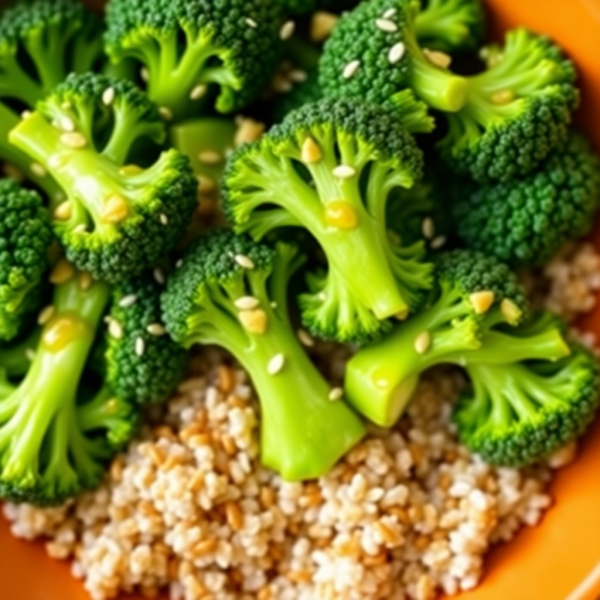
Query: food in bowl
[[351, 470]]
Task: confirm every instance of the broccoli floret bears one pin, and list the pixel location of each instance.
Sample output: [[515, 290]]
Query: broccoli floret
[[303, 7], [518, 110], [475, 296], [525, 221], [25, 234], [232, 292], [330, 168], [373, 54], [118, 218], [305, 92], [54, 438], [518, 412], [143, 364], [451, 25], [197, 53], [41, 42]]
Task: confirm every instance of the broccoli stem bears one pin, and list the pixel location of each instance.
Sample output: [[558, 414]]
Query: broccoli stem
[[14, 359], [441, 20], [47, 395], [15, 83]]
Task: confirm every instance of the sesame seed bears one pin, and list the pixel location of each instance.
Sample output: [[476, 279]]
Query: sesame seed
[[305, 338], [344, 172], [210, 157], [179, 263], [336, 394], [350, 69], [26, 114], [166, 113], [140, 346], [438, 242], [244, 261], [510, 311], [57, 161], [439, 59], [251, 23], [164, 219], [276, 364], [127, 301], [108, 96], [402, 315], [45, 315], [156, 329], [396, 52], [67, 124], [298, 75], [30, 354], [73, 139], [115, 330], [144, 74], [85, 281], [287, 30], [322, 296], [159, 276], [206, 185], [502, 97], [81, 228], [389, 13], [248, 130], [273, 304], [38, 170], [386, 25], [428, 228], [198, 91], [423, 342], [246, 303], [63, 212]]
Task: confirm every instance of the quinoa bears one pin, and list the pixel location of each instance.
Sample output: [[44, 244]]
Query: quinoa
[[409, 513]]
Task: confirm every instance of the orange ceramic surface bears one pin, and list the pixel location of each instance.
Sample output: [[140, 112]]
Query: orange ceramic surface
[[560, 559]]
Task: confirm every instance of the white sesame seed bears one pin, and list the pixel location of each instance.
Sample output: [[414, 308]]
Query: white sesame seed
[[73, 139], [166, 113], [144, 74], [30, 354], [57, 161], [344, 172], [127, 301], [81, 228], [46, 314], [210, 157], [26, 114], [396, 52], [305, 338], [198, 92], [276, 364], [428, 228], [179, 263], [273, 304], [108, 96], [423, 342], [67, 124], [438, 242], [251, 23], [336, 394], [246, 303], [386, 25], [38, 170], [115, 330], [287, 30], [298, 75], [156, 329], [159, 276], [164, 219], [389, 13], [140, 346], [244, 261], [351, 68]]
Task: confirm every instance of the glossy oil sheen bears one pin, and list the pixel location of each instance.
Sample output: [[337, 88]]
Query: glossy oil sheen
[[560, 559]]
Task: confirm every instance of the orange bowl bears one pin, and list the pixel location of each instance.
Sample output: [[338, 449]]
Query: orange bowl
[[559, 559]]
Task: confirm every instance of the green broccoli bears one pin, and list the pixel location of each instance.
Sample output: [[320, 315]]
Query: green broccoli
[[25, 234], [451, 25], [518, 412], [232, 292], [197, 53], [302, 93], [303, 7], [54, 438], [373, 54], [330, 168], [475, 296], [525, 221], [119, 218], [143, 364], [16, 355], [518, 110]]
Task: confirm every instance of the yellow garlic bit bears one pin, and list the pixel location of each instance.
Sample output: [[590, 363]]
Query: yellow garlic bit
[[130, 170], [114, 210], [254, 321], [62, 330], [62, 272], [341, 215], [503, 97]]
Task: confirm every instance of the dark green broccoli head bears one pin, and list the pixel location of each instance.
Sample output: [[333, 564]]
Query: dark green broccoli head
[[373, 54], [114, 219], [519, 413], [25, 235], [330, 167], [143, 364], [451, 25], [518, 110], [53, 38], [303, 7], [525, 221], [221, 52]]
